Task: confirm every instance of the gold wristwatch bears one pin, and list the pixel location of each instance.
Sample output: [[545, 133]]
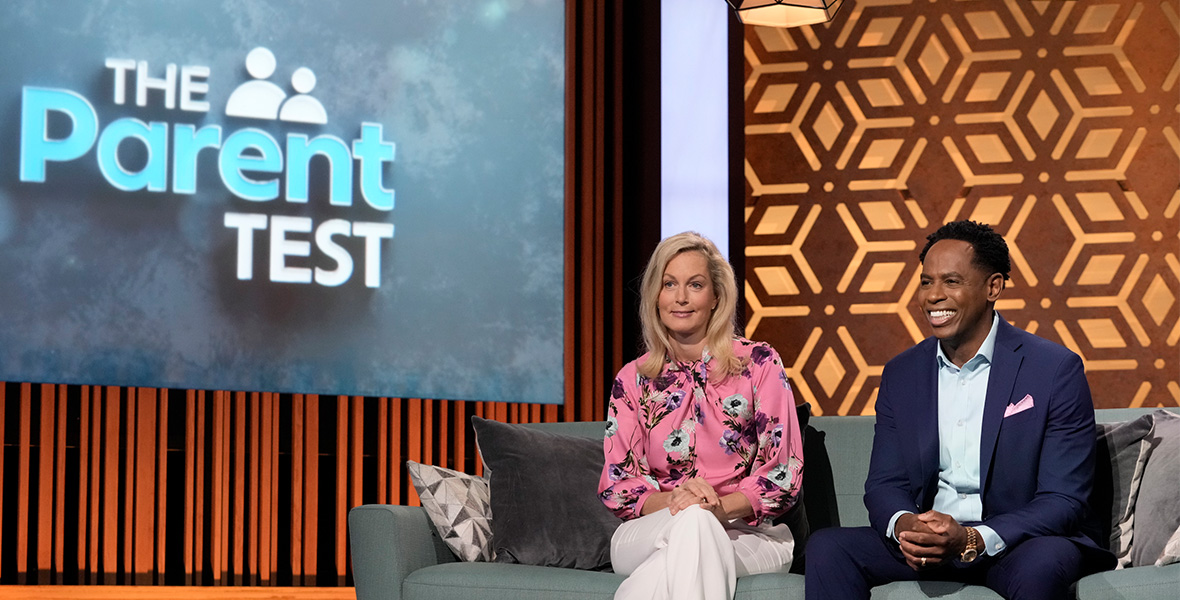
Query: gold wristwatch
[[970, 552]]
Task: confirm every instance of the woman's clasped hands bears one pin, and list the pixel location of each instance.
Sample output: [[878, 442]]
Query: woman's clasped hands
[[695, 491]]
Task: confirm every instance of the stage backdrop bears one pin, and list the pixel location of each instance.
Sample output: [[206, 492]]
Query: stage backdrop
[[336, 197]]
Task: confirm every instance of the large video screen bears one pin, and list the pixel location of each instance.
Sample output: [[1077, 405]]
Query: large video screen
[[357, 197]]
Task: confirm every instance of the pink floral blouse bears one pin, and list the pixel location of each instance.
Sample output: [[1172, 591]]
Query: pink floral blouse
[[739, 433]]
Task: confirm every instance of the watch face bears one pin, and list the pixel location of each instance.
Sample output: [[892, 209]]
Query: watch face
[[969, 555]]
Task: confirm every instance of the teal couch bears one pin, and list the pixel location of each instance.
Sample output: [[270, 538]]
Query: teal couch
[[397, 555]]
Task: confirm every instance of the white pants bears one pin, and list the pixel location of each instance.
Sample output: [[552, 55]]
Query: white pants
[[692, 556]]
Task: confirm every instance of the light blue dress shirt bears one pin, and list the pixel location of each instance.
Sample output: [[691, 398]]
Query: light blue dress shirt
[[961, 395]]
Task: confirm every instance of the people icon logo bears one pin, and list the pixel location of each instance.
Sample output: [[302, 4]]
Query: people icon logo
[[261, 99]]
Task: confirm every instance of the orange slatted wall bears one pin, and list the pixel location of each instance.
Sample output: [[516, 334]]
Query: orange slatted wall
[[140, 486]]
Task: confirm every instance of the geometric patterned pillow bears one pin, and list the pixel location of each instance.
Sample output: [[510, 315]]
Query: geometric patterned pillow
[[1171, 553], [460, 508]]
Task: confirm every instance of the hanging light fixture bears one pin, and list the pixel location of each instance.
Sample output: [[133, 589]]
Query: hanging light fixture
[[785, 13]]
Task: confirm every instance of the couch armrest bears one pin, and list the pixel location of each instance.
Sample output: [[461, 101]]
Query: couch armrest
[[388, 543]]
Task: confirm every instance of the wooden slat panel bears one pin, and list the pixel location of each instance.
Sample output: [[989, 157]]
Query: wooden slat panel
[[45, 485], [162, 479], [428, 432], [341, 478], [260, 488], [215, 536], [238, 454], [23, 491], [460, 436], [356, 457], [201, 508], [253, 528], [413, 443], [226, 478], [297, 466], [444, 437], [145, 484], [95, 515], [59, 487], [83, 477], [356, 475], [127, 560], [311, 505], [396, 466], [382, 450], [110, 497], [273, 498], [190, 484], [262, 504]]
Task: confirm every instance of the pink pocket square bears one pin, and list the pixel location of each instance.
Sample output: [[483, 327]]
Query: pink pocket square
[[1025, 403]]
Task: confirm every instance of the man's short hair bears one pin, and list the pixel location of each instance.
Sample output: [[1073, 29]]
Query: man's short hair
[[991, 251]]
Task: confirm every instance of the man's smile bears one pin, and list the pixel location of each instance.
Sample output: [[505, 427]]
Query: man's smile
[[940, 317]]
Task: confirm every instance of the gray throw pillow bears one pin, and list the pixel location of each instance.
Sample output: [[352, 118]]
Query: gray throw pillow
[[1157, 510], [544, 489], [1123, 451]]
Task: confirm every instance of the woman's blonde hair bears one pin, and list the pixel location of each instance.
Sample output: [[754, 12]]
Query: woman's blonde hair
[[722, 327]]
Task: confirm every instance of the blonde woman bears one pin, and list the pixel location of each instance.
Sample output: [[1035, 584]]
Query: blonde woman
[[702, 446]]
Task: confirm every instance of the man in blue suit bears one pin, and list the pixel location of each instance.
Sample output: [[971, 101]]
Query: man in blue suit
[[983, 450]]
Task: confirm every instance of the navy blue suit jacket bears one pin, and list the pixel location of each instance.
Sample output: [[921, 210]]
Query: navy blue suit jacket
[[1036, 466]]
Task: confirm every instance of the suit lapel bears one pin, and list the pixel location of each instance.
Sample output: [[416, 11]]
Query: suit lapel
[[1006, 362], [925, 415]]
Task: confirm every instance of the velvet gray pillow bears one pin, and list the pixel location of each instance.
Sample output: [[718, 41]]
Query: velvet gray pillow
[[1157, 510], [1123, 452], [544, 495]]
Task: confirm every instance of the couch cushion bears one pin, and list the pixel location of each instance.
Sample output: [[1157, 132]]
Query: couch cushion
[[1157, 511], [526, 582], [1140, 583], [769, 586], [1122, 454], [458, 506], [848, 446], [925, 590], [544, 488], [496, 581]]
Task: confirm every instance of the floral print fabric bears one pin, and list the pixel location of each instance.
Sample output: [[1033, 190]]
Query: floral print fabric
[[739, 433]]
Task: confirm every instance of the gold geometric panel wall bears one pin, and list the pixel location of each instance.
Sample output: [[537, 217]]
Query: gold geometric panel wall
[[1058, 123]]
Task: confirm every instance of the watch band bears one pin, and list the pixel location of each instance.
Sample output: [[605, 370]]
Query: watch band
[[970, 550]]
